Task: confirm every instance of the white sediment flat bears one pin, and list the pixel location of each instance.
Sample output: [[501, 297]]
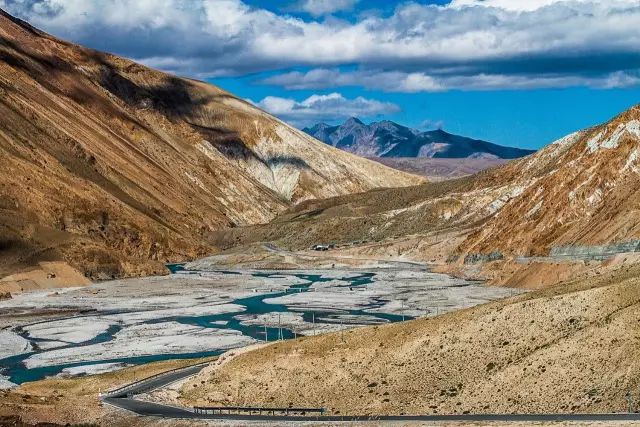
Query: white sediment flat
[[12, 344], [325, 299], [74, 330], [146, 340], [409, 293], [129, 303], [50, 345], [294, 322], [196, 310], [5, 384], [272, 320]]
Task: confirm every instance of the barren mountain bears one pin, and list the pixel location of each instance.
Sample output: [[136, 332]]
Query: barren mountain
[[118, 168], [571, 347], [389, 139], [581, 190]]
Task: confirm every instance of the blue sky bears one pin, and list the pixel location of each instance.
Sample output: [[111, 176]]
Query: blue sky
[[521, 118], [514, 72]]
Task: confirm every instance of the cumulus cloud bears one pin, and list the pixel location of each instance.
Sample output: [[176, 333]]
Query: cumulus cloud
[[329, 107], [419, 47], [325, 7], [429, 124]]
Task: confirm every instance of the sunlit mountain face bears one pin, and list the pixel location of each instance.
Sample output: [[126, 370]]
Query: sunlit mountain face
[[544, 67]]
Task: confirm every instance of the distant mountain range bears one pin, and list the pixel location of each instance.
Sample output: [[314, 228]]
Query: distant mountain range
[[389, 139]]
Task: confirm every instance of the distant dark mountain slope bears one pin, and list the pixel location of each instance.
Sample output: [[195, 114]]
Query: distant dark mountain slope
[[389, 139]]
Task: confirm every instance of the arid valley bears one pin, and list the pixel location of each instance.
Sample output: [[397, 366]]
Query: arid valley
[[172, 253]]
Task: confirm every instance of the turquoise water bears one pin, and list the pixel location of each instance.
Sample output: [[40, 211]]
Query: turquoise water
[[15, 369]]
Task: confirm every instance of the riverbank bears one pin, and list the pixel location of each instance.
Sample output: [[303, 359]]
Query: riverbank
[[196, 313]]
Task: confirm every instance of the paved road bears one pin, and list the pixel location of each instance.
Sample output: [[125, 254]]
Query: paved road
[[120, 399], [155, 382]]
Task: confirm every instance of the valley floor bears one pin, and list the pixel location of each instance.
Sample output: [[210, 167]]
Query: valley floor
[[568, 348], [86, 338]]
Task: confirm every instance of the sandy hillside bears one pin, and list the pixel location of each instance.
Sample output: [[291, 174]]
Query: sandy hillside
[[571, 348], [116, 168]]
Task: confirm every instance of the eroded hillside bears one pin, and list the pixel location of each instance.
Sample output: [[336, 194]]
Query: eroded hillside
[[583, 190], [117, 168]]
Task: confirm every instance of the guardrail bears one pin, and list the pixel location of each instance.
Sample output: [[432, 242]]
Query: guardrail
[[122, 391], [219, 410]]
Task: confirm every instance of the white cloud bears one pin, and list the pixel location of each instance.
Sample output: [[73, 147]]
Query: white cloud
[[391, 81], [329, 107], [397, 81], [429, 124], [522, 5], [325, 7], [420, 47]]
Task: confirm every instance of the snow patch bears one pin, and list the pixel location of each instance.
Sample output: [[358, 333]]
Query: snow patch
[[498, 203], [632, 127], [594, 143], [596, 197], [568, 140], [631, 160], [553, 150]]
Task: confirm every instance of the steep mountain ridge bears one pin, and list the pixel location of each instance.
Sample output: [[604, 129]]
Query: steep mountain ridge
[[582, 189], [389, 139], [118, 168]]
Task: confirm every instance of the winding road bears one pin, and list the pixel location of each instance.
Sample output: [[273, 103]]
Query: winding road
[[123, 398]]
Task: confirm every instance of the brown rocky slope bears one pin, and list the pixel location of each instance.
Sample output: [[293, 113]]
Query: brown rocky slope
[[581, 190], [118, 168]]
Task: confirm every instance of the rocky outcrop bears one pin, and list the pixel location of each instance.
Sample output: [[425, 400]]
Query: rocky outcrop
[[480, 258], [582, 190]]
